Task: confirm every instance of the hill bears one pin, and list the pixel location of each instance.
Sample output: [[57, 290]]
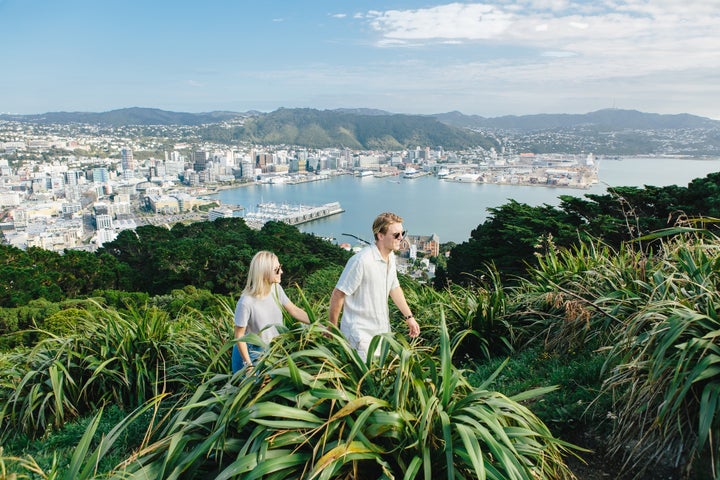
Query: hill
[[608, 132], [607, 119], [126, 116], [336, 128]]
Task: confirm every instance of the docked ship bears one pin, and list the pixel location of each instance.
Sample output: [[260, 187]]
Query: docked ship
[[411, 172]]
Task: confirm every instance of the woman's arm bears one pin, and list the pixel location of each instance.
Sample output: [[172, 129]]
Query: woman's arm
[[242, 346], [297, 312]]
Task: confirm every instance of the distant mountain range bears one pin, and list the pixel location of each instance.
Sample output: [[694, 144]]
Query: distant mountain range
[[125, 117], [615, 119], [611, 119], [377, 129]]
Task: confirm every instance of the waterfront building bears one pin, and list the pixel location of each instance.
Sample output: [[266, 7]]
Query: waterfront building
[[163, 204], [222, 212], [263, 161], [247, 170]]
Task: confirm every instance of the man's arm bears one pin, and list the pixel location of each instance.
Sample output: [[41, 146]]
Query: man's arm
[[398, 298], [337, 301]]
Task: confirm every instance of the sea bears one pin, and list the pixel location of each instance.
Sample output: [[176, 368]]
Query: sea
[[448, 209]]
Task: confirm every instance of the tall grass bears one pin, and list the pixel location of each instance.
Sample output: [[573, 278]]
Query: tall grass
[[577, 296], [475, 316], [317, 411], [657, 319], [113, 358], [665, 363]]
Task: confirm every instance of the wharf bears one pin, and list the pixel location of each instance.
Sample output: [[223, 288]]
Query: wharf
[[290, 214]]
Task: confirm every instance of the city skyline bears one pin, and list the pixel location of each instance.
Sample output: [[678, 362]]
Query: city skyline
[[482, 58]]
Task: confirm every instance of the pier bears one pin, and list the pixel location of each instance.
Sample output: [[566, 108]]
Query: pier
[[290, 214]]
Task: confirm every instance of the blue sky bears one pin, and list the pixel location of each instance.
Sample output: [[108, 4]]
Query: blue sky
[[488, 58]]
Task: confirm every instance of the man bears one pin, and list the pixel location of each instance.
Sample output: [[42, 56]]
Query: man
[[362, 291]]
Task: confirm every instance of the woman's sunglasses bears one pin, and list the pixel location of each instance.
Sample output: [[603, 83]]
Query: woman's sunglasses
[[278, 270]]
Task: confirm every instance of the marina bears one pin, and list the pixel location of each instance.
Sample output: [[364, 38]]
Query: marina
[[290, 214]]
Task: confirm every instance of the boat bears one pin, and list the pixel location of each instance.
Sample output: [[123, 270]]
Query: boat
[[409, 172]]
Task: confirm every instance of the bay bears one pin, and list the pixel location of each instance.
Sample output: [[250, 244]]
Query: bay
[[449, 209]]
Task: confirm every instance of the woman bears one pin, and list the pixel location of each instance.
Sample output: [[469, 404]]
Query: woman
[[259, 308]]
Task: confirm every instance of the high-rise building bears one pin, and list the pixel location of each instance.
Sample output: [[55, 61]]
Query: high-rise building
[[128, 163], [101, 175], [200, 160]]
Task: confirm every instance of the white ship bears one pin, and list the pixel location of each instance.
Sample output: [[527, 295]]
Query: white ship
[[411, 172]]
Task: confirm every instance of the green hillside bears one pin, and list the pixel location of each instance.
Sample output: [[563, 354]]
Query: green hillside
[[327, 129]]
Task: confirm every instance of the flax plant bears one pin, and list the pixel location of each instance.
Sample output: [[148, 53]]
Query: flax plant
[[577, 296], [314, 409], [475, 315], [665, 365], [121, 358]]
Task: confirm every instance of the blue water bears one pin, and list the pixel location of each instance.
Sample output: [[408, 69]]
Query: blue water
[[451, 210]]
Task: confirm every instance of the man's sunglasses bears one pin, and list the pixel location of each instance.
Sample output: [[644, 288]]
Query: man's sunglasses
[[399, 235]]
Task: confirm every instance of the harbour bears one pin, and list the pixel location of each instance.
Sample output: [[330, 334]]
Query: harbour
[[451, 209]]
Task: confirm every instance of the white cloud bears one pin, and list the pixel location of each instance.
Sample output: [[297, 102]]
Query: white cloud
[[558, 54], [607, 39], [452, 21]]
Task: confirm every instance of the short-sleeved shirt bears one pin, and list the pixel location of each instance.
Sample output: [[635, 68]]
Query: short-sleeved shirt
[[261, 314], [366, 281]]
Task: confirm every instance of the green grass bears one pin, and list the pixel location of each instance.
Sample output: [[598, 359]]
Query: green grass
[[54, 452], [574, 404]]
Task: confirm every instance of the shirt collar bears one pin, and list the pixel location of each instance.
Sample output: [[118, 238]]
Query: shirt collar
[[377, 255]]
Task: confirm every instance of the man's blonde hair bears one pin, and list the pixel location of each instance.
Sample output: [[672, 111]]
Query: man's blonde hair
[[261, 268], [383, 221]]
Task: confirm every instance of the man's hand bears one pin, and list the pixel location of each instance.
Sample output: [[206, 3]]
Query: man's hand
[[413, 327]]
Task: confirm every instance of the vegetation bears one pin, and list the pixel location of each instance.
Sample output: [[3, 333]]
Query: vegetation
[[208, 255], [327, 129], [615, 335], [515, 232]]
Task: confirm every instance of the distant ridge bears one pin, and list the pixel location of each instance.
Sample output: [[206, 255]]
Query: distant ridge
[[611, 119], [127, 116], [609, 131]]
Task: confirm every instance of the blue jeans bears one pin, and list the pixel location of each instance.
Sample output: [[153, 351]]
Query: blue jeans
[[237, 361]]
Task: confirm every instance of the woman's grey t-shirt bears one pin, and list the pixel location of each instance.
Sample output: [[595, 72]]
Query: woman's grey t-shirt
[[261, 314]]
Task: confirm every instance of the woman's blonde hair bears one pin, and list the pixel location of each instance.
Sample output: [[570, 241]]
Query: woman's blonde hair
[[261, 267]]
